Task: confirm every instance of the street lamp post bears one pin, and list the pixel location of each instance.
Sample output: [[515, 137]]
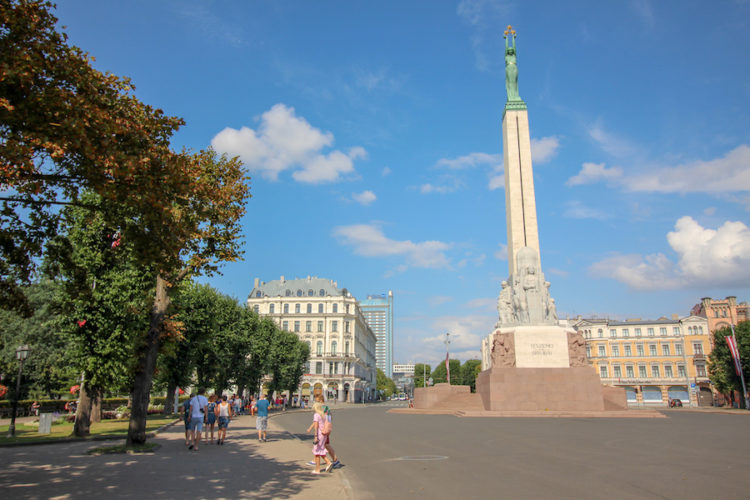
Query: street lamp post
[[447, 354], [21, 354]]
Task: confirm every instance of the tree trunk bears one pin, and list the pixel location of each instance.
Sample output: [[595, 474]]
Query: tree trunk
[[89, 398], [169, 400], [144, 374], [96, 407]]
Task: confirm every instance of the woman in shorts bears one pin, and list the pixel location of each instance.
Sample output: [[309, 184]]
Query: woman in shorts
[[211, 417], [224, 413]]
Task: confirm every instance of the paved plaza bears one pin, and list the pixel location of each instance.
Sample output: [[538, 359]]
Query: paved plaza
[[689, 454]]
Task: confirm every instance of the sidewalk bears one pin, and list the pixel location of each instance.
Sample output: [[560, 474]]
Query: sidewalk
[[241, 468]]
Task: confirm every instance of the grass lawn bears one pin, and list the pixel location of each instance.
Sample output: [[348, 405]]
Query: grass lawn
[[114, 428]]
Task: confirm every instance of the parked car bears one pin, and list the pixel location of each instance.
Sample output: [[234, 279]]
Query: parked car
[[675, 403]]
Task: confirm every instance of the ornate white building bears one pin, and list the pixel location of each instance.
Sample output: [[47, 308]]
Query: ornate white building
[[329, 319]]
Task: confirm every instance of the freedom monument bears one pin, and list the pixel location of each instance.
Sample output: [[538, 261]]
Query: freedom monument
[[530, 362]]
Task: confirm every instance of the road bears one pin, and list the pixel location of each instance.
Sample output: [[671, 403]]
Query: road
[[688, 455]]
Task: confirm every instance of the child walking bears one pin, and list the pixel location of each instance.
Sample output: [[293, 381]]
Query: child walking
[[319, 442]]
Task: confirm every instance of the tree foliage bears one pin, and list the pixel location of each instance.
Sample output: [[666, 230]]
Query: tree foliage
[[421, 373], [720, 364], [385, 384], [469, 371], [439, 375]]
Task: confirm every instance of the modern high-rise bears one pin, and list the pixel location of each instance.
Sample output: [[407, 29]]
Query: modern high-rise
[[378, 312]]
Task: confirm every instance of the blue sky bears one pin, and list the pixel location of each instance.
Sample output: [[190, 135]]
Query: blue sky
[[372, 131]]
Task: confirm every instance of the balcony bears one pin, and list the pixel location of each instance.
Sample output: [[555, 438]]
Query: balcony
[[699, 357]]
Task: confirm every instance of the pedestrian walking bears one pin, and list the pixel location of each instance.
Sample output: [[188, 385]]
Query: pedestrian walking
[[261, 421], [211, 417], [224, 413], [320, 439], [198, 406], [186, 417], [329, 447]]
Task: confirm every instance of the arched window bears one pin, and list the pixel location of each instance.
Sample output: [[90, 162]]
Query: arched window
[[299, 293], [700, 330], [256, 308], [322, 293], [320, 308], [310, 293], [271, 308], [334, 346], [286, 308], [309, 308], [258, 294], [288, 293], [335, 308], [319, 348]]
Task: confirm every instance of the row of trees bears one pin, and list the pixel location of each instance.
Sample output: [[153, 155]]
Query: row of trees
[[465, 374], [72, 136]]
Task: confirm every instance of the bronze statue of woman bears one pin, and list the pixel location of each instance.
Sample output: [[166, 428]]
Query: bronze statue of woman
[[511, 68]]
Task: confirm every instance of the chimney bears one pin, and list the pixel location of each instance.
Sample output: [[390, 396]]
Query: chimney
[[282, 279], [257, 282]]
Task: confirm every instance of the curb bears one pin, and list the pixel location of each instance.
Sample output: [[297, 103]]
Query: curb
[[103, 437]]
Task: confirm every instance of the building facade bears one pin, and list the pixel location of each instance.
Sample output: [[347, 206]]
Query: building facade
[[403, 377], [378, 311], [329, 319], [653, 360], [721, 313]]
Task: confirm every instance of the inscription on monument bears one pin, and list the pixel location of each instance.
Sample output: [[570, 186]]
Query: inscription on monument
[[540, 347]]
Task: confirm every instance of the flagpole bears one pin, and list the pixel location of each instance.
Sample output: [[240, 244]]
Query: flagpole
[[735, 352], [447, 364]]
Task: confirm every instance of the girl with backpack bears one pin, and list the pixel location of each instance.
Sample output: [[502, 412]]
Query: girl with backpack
[[321, 428]]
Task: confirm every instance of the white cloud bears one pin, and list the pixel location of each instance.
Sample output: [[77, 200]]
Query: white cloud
[[556, 272], [706, 258], [611, 143], [709, 211], [385, 171], [470, 160], [502, 252], [483, 16], [376, 80], [284, 141], [435, 188], [594, 172], [544, 149], [576, 210], [369, 241], [489, 304], [497, 179], [365, 197], [642, 9]]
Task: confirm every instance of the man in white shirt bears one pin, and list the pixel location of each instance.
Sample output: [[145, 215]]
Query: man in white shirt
[[197, 413]]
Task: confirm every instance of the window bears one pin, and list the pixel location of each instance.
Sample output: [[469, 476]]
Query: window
[[318, 367], [347, 309], [309, 308], [716, 313], [602, 352], [625, 332], [319, 348], [296, 326], [320, 326], [639, 349], [335, 308], [320, 308], [588, 351], [675, 330], [334, 326], [330, 367], [642, 371], [698, 347], [662, 330], [668, 371], [629, 371], [613, 333], [286, 308], [308, 326], [700, 330], [310, 293], [628, 350], [258, 294], [296, 308], [285, 325], [637, 332], [334, 346], [678, 349], [299, 293], [650, 332], [700, 370], [272, 308], [652, 350], [603, 372], [346, 327], [723, 313], [615, 350], [601, 333], [665, 350], [288, 293], [681, 371], [655, 371], [256, 308], [618, 371], [322, 293]]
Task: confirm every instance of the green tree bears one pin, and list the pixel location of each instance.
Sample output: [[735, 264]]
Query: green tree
[[50, 368], [421, 373], [720, 364], [469, 371], [287, 361], [384, 384], [439, 375]]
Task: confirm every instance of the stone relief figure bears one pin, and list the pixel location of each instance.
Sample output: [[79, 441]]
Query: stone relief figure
[[577, 349], [503, 350], [505, 305], [511, 68], [525, 299]]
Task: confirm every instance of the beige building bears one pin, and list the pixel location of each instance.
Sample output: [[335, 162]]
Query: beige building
[[329, 319], [653, 360]]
